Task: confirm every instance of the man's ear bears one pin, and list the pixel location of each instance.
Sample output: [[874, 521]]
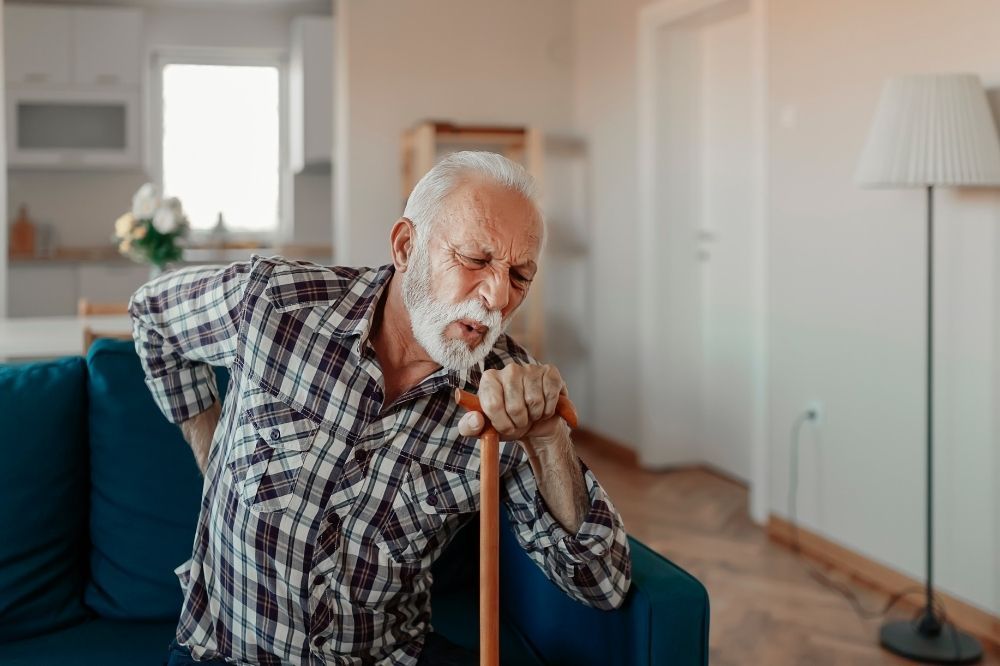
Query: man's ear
[[401, 242]]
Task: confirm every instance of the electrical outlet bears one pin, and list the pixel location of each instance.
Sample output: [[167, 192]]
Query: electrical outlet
[[814, 409]]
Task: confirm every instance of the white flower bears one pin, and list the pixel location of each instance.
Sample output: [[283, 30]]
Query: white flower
[[145, 201], [166, 220], [169, 217], [123, 225]]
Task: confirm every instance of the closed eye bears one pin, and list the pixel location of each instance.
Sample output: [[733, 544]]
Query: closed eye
[[520, 280], [473, 260]]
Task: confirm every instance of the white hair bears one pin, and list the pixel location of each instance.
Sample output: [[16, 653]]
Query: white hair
[[424, 202]]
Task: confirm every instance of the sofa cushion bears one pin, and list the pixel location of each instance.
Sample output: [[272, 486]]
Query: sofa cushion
[[94, 643], [145, 491], [43, 496]]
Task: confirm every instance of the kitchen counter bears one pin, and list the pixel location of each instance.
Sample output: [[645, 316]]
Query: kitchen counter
[[52, 286], [26, 338], [320, 254]]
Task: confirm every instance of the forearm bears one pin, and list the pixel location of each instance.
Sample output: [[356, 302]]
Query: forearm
[[199, 431], [183, 324], [559, 477], [588, 558]]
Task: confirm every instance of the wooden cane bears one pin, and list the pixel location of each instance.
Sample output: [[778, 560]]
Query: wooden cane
[[489, 525]]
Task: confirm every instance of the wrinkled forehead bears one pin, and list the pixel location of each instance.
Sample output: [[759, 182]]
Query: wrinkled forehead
[[491, 218]]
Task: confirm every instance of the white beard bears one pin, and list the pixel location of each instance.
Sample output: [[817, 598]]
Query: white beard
[[429, 318]]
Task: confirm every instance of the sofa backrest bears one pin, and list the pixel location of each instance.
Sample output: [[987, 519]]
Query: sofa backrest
[[145, 490], [43, 496]]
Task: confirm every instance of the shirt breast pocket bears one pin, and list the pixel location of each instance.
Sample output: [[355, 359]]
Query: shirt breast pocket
[[427, 510], [272, 439]]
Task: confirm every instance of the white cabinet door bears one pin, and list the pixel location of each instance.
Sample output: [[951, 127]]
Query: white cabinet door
[[111, 283], [73, 128], [311, 91], [42, 290], [38, 42], [107, 47]]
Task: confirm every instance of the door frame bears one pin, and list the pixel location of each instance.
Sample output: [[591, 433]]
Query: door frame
[[651, 19]]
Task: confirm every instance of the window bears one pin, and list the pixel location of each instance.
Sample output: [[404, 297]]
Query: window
[[220, 143]]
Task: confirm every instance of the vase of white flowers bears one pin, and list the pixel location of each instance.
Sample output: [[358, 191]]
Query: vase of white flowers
[[153, 231]]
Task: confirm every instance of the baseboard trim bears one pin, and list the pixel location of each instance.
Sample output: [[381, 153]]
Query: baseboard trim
[[609, 448], [882, 578]]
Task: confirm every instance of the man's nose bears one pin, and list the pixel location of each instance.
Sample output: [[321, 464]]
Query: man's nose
[[495, 291]]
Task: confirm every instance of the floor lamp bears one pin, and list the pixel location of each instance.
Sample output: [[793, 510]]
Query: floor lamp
[[931, 130]]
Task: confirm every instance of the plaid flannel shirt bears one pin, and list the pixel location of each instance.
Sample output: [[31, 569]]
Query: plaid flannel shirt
[[322, 508]]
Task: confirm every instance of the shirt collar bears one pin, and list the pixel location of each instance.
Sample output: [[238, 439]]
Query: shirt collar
[[353, 314]]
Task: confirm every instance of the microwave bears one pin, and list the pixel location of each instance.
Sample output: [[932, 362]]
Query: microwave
[[73, 129]]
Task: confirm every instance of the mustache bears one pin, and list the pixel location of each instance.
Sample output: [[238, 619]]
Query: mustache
[[473, 310]]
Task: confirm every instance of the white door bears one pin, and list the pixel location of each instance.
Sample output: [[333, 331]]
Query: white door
[[727, 243], [704, 401]]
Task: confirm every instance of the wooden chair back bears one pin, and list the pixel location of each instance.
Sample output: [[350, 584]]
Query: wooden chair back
[[86, 308]]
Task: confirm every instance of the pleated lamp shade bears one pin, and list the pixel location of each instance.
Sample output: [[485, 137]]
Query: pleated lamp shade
[[931, 129]]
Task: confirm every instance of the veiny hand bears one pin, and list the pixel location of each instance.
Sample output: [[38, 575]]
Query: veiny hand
[[520, 402]]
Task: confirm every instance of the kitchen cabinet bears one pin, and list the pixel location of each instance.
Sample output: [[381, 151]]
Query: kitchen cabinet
[[38, 42], [59, 129], [56, 46], [44, 289], [73, 86], [110, 283], [40, 291], [107, 47], [311, 88]]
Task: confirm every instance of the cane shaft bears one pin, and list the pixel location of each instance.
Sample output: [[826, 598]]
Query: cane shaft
[[489, 526], [489, 550]]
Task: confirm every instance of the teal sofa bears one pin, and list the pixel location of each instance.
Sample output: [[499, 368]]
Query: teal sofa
[[99, 496]]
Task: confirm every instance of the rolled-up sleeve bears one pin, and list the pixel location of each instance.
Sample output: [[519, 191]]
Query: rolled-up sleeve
[[592, 565], [183, 323]]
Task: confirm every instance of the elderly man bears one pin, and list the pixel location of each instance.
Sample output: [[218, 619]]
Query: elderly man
[[339, 467]]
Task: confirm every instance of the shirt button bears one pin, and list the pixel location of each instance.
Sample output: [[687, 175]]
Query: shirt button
[[432, 499], [318, 580], [320, 641], [334, 520], [360, 455], [275, 434]]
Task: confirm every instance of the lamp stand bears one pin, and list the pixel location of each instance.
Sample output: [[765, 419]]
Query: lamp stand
[[930, 638]]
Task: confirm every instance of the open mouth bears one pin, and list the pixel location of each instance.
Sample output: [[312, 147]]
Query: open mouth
[[473, 326], [470, 331]]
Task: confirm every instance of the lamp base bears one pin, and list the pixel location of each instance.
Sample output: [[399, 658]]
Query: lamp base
[[930, 641]]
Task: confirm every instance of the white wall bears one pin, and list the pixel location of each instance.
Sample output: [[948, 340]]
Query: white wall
[[468, 61], [82, 205], [846, 278], [847, 293]]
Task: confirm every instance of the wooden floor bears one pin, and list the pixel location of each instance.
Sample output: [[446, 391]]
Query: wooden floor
[[766, 608]]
